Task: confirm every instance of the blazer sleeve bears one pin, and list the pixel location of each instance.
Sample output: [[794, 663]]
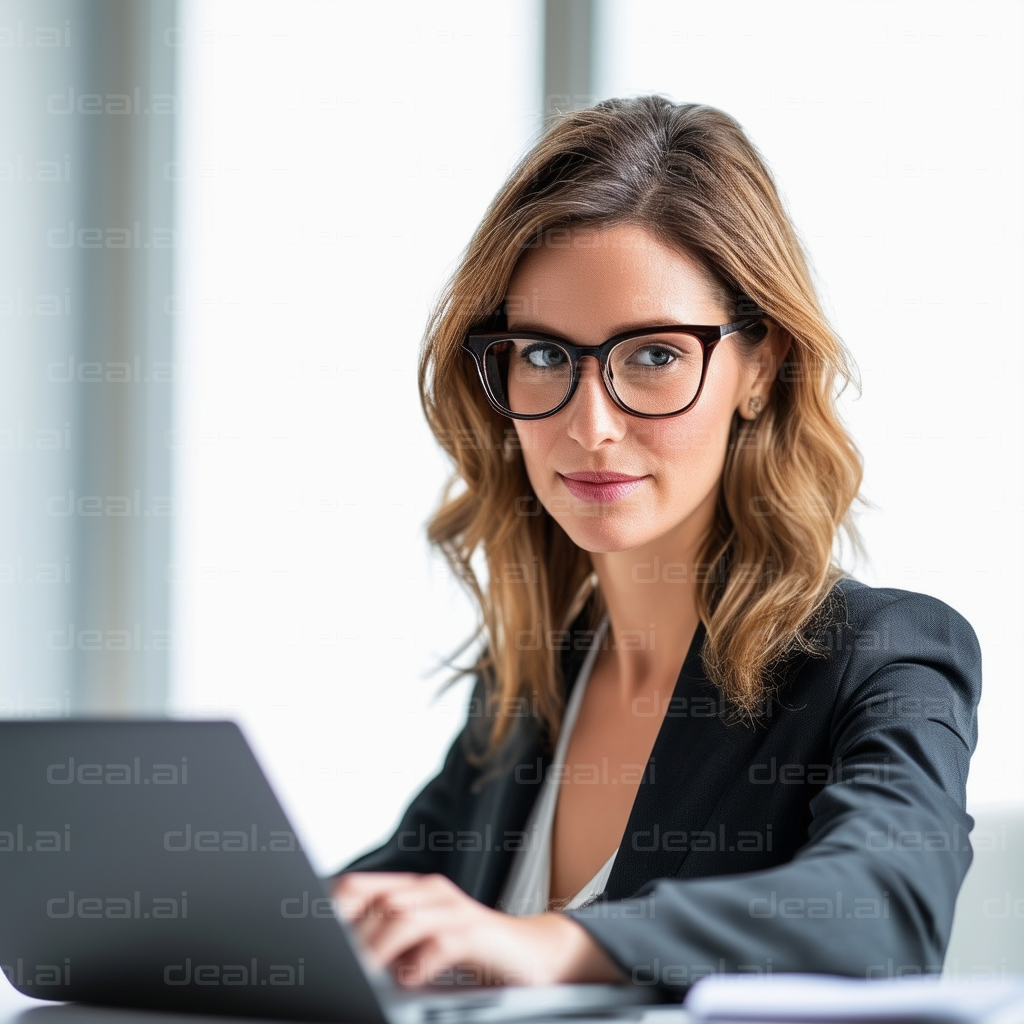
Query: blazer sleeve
[[872, 891]]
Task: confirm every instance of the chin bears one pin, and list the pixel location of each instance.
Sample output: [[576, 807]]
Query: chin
[[604, 538]]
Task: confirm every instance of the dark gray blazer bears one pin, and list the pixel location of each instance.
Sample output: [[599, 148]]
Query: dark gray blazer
[[833, 838]]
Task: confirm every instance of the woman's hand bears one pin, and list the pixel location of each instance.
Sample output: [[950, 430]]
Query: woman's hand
[[424, 927]]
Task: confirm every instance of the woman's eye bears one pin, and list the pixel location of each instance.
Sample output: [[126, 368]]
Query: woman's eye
[[544, 356], [653, 355]]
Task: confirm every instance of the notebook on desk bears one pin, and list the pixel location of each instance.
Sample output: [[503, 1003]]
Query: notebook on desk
[[821, 999]]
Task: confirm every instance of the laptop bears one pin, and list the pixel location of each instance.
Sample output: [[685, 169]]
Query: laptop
[[148, 864]]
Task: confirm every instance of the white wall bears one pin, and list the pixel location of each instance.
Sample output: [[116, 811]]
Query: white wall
[[896, 131], [336, 159]]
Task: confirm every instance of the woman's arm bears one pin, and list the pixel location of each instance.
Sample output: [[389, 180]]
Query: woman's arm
[[872, 892], [425, 928]]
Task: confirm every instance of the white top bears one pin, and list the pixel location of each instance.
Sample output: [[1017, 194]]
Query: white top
[[529, 880]]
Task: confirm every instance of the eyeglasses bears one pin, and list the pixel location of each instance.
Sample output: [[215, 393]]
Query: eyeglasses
[[651, 372]]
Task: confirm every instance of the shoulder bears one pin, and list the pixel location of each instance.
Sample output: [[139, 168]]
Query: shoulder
[[888, 619], [898, 649]]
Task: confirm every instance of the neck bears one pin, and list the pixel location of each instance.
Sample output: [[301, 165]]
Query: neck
[[651, 596]]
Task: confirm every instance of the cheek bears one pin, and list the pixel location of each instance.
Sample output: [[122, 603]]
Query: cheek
[[704, 430], [690, 442], [537, 439]]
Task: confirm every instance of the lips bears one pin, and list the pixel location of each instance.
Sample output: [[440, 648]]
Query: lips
[[600, 477], [601, 485]]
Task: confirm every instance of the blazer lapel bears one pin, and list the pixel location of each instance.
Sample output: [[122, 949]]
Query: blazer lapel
[[501, 803], [509, 790], [694, 759]]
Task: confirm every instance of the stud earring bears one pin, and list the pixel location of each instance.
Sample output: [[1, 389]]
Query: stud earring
[[755, 405]]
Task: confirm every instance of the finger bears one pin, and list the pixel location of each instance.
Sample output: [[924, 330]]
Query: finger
[[357, 890], [369, 882], [400, 920], [419, 893], [387, 906], [427, 962]]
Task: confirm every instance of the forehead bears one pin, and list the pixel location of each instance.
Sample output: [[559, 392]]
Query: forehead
[[602, 279]]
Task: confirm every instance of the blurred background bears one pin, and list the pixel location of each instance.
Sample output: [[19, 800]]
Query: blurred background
[[223, 226]]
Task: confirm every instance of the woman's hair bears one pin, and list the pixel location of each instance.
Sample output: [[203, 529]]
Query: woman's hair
[[688, 174]]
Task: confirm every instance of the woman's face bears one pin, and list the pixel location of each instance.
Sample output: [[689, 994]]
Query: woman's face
[[604, 281]]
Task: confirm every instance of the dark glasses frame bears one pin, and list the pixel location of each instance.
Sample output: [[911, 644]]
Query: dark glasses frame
[[477, 343]]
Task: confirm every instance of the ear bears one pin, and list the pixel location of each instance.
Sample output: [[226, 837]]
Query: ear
[[764, 363]]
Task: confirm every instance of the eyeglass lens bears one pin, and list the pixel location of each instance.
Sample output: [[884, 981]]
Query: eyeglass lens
[[653, 374]]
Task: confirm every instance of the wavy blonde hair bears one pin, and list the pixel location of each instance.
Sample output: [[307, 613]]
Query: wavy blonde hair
[[688, 174]]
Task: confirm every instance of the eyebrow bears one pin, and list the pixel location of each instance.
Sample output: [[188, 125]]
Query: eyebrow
[[641, 325]]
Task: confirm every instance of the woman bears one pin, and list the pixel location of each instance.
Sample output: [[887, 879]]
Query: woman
[[695, 744]]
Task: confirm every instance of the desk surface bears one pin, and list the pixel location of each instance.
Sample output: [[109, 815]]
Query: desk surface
[[18, 1009]]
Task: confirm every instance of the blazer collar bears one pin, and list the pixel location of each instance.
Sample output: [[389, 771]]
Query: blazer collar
[[695, 757]]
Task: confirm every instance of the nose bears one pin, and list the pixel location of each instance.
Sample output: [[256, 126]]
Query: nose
[[594, 419]]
